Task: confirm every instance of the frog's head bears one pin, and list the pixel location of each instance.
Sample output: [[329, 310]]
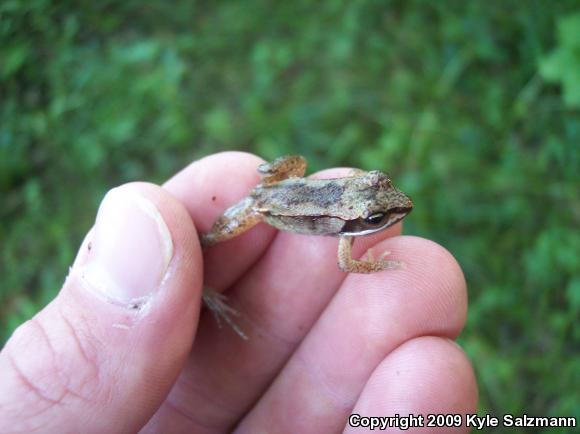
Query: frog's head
[[384, 205]]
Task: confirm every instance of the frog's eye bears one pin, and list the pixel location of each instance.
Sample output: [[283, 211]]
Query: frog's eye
[[375, 219]]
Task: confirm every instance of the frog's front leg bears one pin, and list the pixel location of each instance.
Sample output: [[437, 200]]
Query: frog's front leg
[[234, 221], [289, 166], [348, 264]]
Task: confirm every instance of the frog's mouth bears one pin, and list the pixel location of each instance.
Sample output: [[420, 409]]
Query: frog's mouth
[[363, 226], [395, 217]]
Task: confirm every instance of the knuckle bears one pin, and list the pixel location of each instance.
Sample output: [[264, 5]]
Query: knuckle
[[51, 367]]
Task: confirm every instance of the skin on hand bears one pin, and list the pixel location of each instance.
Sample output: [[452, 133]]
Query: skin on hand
[[322, 344]]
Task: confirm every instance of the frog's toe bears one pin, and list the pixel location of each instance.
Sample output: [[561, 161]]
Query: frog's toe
[[390, 265], [370, 255], [356, 172], [216, 302], [384, 255]]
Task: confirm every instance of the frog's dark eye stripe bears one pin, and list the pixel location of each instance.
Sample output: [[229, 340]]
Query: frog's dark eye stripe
[[375, 218]]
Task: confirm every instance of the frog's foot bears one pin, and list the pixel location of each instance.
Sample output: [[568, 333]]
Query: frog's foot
[[370, 257], [289, 166], [371, 265], [356, 172], [216, 302]]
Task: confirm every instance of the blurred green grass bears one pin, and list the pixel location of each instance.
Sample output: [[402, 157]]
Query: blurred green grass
[[472, 107]]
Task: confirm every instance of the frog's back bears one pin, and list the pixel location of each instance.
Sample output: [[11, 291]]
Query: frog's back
[[307, 197]]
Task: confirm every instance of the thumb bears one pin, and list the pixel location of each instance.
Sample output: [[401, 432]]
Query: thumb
[[102, 356]]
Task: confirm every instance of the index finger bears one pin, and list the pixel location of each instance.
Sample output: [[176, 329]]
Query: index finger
[[206, 188]]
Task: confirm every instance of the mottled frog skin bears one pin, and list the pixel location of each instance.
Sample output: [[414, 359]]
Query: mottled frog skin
[[338, 207], [359, 204]]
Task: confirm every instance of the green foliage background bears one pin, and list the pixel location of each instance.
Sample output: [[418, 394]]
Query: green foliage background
[[473, 107]]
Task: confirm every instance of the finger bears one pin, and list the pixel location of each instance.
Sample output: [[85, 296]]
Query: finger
[[207, 187], [283, 295], [102, 356], [369, 317], [280, 298], [424, 376]]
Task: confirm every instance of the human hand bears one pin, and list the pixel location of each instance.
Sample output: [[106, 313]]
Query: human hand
[[120, 349]]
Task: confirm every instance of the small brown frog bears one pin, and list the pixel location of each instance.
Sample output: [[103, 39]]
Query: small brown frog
[[359, 204]]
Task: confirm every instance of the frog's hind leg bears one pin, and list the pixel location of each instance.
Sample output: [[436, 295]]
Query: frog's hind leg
[[236, 220], [355, 173], [216, 302], [289, 166]]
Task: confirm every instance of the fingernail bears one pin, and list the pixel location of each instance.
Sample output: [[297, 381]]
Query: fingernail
[[130, 250], [454, 342]]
